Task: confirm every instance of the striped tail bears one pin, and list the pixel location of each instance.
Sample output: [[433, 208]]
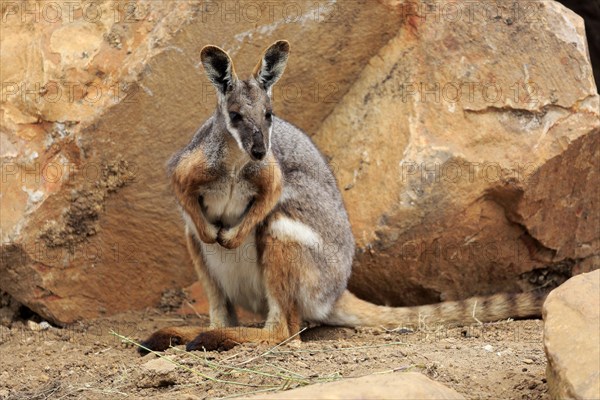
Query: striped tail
[[351, 311]]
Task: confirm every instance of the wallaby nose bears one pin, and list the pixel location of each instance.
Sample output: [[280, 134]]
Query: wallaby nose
[[258, 152]]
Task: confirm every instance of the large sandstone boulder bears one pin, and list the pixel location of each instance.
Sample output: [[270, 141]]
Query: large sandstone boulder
[[465, 140], [571, 337], [95, 102], [406, 385], [467, 153]]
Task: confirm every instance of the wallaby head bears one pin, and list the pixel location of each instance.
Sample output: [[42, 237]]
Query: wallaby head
[[245, 105]]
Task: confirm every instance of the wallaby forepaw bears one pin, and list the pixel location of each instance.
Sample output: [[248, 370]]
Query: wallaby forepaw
[[211, 233], [211, 341], [159, 341], [230, 238]]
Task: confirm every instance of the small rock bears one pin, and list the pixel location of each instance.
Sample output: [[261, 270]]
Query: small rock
[[404, 385], [33, 326], [44, 325], [159, 366], [158, 372], [528, 361], [488, 348]]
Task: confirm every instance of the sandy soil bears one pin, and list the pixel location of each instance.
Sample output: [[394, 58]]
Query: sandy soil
[[504, 360]]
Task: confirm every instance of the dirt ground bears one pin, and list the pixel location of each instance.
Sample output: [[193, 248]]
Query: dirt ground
[[503, 360]]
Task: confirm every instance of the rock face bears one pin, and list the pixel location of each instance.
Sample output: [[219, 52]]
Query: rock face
[[571, 337], [74, 244], [590, 11], [93, 105], [467, 165], [465, 141], [407, 385]]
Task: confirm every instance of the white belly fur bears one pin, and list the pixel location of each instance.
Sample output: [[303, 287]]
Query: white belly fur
[[238, 273]]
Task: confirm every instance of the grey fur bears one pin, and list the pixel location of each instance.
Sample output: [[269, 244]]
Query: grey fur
[[311, 191]]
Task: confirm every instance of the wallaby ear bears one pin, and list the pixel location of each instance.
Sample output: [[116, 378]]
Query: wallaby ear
[[270, 67], [218, 67]]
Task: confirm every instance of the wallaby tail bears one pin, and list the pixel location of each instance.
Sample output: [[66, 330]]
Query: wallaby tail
[[351, 311]]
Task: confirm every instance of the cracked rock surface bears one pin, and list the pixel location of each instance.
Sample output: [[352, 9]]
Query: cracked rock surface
[[467, 152]]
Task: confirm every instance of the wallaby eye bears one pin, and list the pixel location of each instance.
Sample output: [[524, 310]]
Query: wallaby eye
[[235, 116], [268, 115]]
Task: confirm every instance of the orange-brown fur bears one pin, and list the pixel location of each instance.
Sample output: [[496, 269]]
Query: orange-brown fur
[[189, 174], [278, 274], [268, 182]]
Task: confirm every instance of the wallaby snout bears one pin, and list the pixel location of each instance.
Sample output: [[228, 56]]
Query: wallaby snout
[[248, 125], [258, 154], [258, 149]]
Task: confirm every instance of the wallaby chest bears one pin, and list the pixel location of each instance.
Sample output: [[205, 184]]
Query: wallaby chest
[[225, 200]]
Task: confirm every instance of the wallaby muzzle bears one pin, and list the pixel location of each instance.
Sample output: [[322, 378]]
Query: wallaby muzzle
[[258, 149]]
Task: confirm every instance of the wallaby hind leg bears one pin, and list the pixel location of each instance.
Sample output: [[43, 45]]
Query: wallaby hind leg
[[282, 274], [164, 338], [222, 312]]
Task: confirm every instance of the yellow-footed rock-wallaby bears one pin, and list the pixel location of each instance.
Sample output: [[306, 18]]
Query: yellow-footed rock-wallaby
[[267, 229]]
